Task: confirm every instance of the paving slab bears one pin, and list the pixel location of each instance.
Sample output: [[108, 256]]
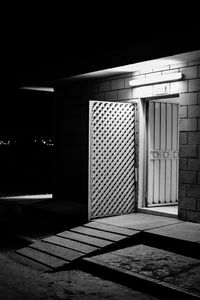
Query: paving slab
[[139, 221], [186, 231], [42, 257], [156, 265], [110, 228], [90, 240]]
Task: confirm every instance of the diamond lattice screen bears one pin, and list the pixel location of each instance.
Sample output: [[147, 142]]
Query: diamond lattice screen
[[112, 158]]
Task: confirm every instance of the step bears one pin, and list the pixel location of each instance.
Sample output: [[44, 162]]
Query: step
[[65, 248], [158, 272]]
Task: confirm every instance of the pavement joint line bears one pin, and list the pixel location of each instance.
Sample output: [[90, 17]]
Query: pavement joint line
[[141, 230], [103, 230], [157, 283], [101, 238], [163, 226]]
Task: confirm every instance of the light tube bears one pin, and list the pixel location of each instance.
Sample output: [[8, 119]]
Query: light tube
[[156, 79]]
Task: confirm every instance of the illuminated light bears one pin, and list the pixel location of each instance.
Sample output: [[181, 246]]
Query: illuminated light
[[156, 79], [38, 88], [26, 197]]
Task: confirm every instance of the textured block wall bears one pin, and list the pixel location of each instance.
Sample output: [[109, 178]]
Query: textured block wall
[[189, 127], [116, 88]]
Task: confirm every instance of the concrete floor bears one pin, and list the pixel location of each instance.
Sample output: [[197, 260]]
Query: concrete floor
[[171, 209]]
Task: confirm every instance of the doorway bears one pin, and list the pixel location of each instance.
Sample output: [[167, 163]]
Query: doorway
[[161, 156]]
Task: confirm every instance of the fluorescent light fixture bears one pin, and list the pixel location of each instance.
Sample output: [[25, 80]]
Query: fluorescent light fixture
[[38, 88], [156, 79]]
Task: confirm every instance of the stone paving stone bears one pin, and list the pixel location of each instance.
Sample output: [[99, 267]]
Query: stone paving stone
[[139, 221], [184, 231], [190, 279], [157, 264]]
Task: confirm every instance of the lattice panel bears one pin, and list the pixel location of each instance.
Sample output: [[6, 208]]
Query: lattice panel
[[112, 158]]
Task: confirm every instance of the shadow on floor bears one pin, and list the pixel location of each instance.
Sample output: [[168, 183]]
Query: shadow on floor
[[20, 223]]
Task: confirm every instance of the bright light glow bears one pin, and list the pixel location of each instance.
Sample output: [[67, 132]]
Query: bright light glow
[[25, 197], [38, 88], [156, 79]]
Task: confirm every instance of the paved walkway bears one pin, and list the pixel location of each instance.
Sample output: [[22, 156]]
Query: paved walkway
[[168, 272], [158, 250], [64, 248]]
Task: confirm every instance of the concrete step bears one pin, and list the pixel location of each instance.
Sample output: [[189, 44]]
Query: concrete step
[[159, 272]]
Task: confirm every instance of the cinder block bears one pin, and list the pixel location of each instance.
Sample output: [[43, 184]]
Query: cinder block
[[183, 138], [189, 72], [152, 75], [199, 71], [198, 178], [188, 203], [193, 164], [198, 124], [193, 216], [111, 96], [194, 138], [198, 97], [183, 164], [194, 85], [183, 111], [117, 84], [198, 204], [193, 62], [171, 71], [182, 214], [104, 86], [178, 87], [187, 177], [188, 151], [188, 125], [178, 65], [188, 98], [98, 96], [194, 111], [182, 190], [193, 190], [160, 68], [124, 94]]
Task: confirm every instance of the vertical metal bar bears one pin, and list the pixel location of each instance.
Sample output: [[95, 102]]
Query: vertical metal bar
[[168, 161], [162, 147], [150, 147], [156, 147], [177, 166], [174, 147]]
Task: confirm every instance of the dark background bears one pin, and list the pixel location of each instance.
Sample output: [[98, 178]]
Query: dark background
[[41, 44]]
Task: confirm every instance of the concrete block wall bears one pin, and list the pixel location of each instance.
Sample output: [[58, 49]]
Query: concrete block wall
[[189, 127], [117, 88]]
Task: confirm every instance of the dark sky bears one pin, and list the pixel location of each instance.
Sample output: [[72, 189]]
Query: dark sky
[[44, 42]]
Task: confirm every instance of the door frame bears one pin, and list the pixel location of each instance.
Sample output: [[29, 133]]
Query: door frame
[[143, 146]]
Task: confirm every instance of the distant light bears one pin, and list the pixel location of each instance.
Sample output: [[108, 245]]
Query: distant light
[[38, 88], [156, 79]]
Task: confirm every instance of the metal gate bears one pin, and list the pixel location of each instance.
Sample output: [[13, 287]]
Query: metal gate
[[163, 153], [111, 158]]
